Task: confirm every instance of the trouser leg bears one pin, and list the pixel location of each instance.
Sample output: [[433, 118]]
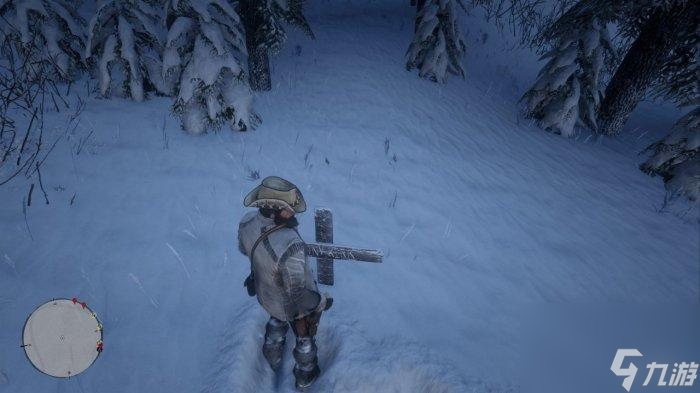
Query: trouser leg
[[306, 369], [275, 336]]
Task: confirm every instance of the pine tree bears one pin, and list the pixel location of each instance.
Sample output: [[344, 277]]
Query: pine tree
[[125, 38], [202, 59], [657, 40], [568, 89], [437, 46], [680, 75], [676, 158], [45, 31], [658, 29], [265, 34]]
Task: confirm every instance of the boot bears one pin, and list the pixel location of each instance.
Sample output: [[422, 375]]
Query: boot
[[304, 379], [275, 337], [306, 370]]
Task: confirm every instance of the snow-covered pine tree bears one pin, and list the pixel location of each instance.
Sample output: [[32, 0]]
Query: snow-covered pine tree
[[125, 41], [680, 76], [202, 55], [568, 90], [265, 34], [676, 158], [654, 37], [437, 46], [658, 30], [49, 32]]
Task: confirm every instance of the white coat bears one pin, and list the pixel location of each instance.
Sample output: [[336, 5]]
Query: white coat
[[284, 280]]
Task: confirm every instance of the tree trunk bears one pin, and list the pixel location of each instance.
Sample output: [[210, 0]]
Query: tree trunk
[[642, 64], [258, 59], [259, 68]]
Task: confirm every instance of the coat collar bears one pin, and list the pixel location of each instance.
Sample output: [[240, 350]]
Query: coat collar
[[265, 221]]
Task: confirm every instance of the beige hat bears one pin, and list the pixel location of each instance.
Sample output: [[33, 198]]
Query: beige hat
[[275, 192]]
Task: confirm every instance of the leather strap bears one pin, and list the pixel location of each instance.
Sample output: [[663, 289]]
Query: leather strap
[[262, 237]]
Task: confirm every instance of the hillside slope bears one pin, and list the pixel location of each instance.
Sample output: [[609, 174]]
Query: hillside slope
[[477, 212]]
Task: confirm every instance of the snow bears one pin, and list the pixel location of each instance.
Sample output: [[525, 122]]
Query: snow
[[171, 60], [676, 159], [201, 8], [568, 56], [66, 17], [213, 34], [179, 29], [685, 181], [117, 27], [489, 214], [149, 18], [51, 26], [108, 56], [128, 51], [91, 40], [52, 34], [567, 91], [154, 68], [237, 95], [591, 39], [226, 7], [209, 77], [559, 76], [561, 114], [23, 8], [205, 67]]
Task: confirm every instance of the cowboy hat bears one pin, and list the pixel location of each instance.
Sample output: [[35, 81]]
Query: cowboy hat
[[278, 193]]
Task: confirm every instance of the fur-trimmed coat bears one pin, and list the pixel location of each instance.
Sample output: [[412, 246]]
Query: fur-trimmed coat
[[284, 280]]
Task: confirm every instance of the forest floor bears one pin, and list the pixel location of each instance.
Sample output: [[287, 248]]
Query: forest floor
[[478, 212]]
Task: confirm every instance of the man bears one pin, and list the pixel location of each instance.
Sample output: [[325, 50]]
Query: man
[[281, 276]]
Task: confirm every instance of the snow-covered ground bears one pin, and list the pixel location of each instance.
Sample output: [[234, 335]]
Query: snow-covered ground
[[477, 211]]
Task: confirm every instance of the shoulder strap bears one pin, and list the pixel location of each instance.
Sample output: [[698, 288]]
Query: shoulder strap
[[262, 237], [298, 234]]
